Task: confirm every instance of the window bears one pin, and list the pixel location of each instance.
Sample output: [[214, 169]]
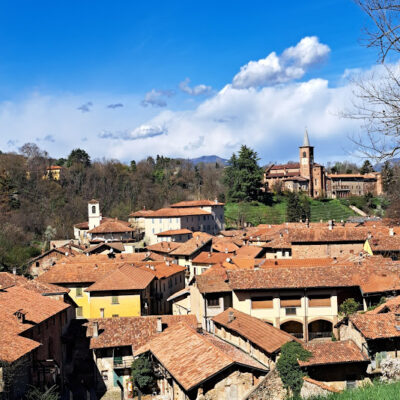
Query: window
[[79, 292], [104, 375], [290, 301], [304, 154], [101, 312], [213, 302], [79, 312], [114, 299], [115, 315], [290, 310], [261, 302], [319, 301]]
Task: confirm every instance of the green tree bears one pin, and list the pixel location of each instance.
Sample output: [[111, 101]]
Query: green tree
[[349, 307], [243, 176], [298, 208], [142, 373], [289, 368], [78, 156], [366, 167], [133, 166], [37, 394]]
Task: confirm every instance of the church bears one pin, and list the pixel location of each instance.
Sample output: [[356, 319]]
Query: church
[[310, 177]]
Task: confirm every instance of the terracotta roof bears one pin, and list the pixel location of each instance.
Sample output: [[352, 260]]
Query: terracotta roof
[[115, 246], [177, 212], [7, 279], [339, 352], [164, 247], [163, 270], [384, 243], [82, 225], [391, 305], [133, 331], [93, 201], [256, 331], [12, 345], [37, 308], [180, 348], [231, 233], [213, 281], [183, 292], [337, 234], [141, 213], [174, 232], [196, 203], [112, 226], [349, 176], [249, 251], [191, 246], [285, 166], [123, 278], [54, 168], [376, 326], [224, 245], [208, 258], [278, 243]]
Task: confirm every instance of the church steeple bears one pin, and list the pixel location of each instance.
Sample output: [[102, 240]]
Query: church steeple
[[306, 140]]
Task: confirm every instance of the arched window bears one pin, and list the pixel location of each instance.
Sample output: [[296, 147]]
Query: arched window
[[94, 208], [304, 154]]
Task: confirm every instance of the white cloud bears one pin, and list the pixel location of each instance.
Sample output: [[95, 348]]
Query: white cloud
[[195, 90], [156, 98], [291, 65]]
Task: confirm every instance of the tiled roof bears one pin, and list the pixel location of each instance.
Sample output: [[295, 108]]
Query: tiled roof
[[180, 348], [224, 245], [133, 331], [339, 352], [164, 247], [256, 331], [183, 292], [141, 213], [348, 176], [163, 270], [115, 246], [286, 166], [176, 212], [37, 308], [391, 305], [213, 281], [191, 246], [208, 258], [54, 168], [174, 232], [123, 278], [384, 243], [112, 226], [249, 251], [12, 345], [337, 234], [7, 279], [376, 326], [196, 203]]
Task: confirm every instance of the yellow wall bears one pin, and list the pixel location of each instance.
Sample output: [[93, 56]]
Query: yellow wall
[[129, 303]]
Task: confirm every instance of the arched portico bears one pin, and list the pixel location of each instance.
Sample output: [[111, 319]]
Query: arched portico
[[319, 329], [295, 328]]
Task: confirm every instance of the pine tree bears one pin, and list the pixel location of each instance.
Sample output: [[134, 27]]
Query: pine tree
[[243, 176], [366, 167]]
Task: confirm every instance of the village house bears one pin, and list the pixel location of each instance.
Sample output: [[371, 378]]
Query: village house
[[386, 244], [113, 342], [175, 235], [137, 220], [226, 372], [53, 172], [311, 178], [253, 336], [32, 325]]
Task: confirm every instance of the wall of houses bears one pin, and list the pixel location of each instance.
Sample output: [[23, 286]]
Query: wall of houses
[[162, 289], [111, 237], [323, 250], [157, 225], [281, 307], [44, 263]]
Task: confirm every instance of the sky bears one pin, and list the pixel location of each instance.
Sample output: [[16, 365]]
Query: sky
[[129, 79]]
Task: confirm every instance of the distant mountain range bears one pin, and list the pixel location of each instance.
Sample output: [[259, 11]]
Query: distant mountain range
[[209, 159], [378, 167]]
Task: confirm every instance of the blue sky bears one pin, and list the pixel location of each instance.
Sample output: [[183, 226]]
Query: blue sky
[[168, 70]]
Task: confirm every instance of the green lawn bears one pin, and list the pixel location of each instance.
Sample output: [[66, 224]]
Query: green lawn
[[378, 391], [257, 213]]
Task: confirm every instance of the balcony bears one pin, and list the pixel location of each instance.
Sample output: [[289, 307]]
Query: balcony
[[319, 335], [123, 362], [296, 335]]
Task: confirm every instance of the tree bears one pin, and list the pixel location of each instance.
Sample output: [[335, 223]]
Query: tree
[[48, 394], [366, 168], [133, 166], [289, 368], [349, 307], [142, 373], [298, 208], [377, 96], [387, 176], [78, 156], [243, 176]]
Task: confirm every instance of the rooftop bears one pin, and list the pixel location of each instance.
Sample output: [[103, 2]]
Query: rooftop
[[197, 203], [192, 245], [376, 326], [112, 226], [174, 232], [176, 212]]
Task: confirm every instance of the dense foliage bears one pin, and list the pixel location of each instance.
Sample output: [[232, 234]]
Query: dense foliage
[[243, 176], [289, 368], [349, 307], [142, 373], [298, 208]]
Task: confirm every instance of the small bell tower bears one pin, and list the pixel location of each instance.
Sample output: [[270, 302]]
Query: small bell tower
[[307, 161], [94, 214]]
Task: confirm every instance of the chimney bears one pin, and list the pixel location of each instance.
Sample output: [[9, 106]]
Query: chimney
[[159, 325], [226, 250], [307, 223], [281, 235], [343, 223], [199, 328], [330, 224], [20, 314], [167, 263], [95, 329], [14, 270], [391, 232], [209, 255], [231, 316], [369, 236], [228, 260]]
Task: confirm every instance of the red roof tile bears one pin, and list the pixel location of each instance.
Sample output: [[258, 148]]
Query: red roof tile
[[376, 326], [112, 226], [174, 232], [177, 212], [196, 203]]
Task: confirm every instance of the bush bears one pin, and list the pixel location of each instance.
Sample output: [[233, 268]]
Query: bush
[[349, 307], [142, 373]]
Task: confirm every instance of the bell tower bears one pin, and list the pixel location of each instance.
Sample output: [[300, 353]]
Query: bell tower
[[94, 214], [307, 161]]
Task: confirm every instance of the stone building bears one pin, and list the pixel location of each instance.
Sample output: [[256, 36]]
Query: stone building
[[310, 177]]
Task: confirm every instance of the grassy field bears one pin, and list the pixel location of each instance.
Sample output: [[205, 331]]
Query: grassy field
[[378, 391], [257, 213]]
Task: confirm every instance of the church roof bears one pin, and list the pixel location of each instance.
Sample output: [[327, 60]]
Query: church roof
[[306, 140]]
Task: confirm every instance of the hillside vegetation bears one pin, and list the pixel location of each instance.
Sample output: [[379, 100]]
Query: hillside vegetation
[[374, 392], [257, 213]]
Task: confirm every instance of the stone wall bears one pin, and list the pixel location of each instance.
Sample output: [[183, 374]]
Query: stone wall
[[270, 388]]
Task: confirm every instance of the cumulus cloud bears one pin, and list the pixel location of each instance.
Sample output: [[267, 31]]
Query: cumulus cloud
[[86, 107], [156, 98], [195, 90], [141, 132], [115, 105], [291, 65]]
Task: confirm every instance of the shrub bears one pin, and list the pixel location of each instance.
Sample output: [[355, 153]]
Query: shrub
[[142, 373], [349, 307]]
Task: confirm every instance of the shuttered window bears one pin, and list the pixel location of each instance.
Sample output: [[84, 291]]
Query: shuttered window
[[319, 301], [290, 302], [261, 302]]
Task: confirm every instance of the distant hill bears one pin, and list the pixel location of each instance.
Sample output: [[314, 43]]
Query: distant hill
[[378, 167], [208, 160]]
